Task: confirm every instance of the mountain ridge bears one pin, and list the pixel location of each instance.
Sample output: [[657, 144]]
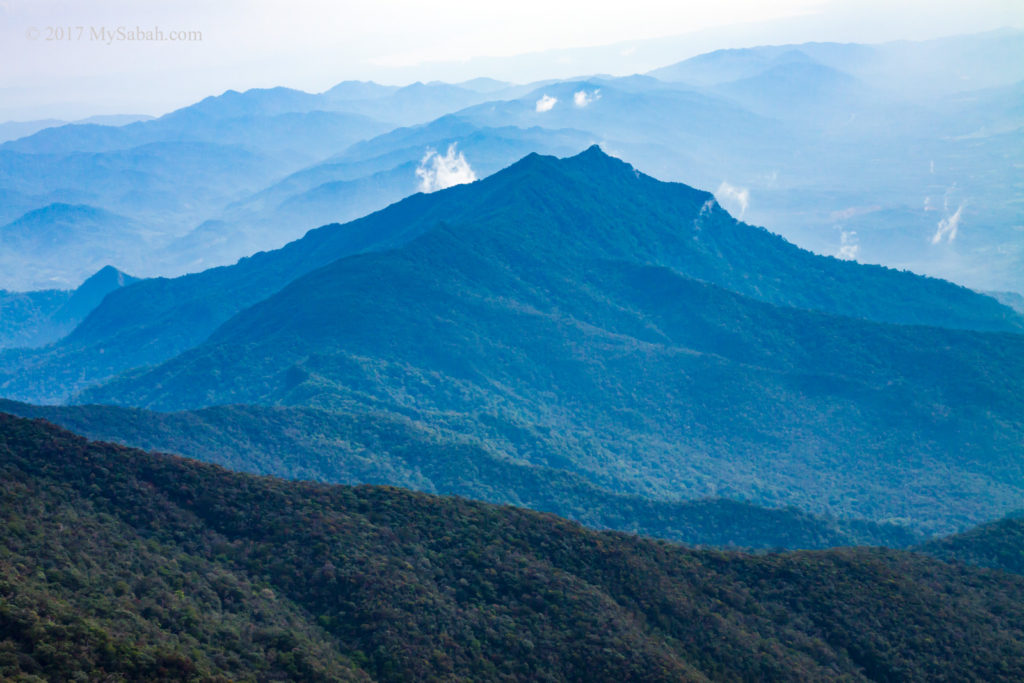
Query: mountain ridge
[[380, 449], [573, 305], [217, 573]]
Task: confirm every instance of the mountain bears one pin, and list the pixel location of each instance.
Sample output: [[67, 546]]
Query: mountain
[[91, 292], [734, 65], [707, 134], [158, 191], [486, 85], [358, 90], [418, 103], [675, 350], [272, 120], [937, 67], [800, 90], [141, 182], [1011, 299], [38, 247], [315, 445], [997, 545], [170, 316], [37, 318], [23, 314], [63, 225], [366, 177], [186, 168], [123, 563], [869, 152], [12, 130]]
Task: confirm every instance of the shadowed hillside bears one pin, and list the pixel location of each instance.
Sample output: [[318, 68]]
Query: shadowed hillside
[[121, 563]]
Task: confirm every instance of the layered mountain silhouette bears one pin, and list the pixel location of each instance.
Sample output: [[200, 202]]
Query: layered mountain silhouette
[[60, 232], [668, 350], [366, 177], [29, 319], [124, 563], [170, 316], [568, 335], [317, 445], [854, 150]]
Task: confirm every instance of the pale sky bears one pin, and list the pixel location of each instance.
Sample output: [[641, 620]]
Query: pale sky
[[49, 67]]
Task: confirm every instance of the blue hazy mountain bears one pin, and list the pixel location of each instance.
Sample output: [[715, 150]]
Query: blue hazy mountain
[[169, 316], [258, 118], [728, 66], [933, 67], [182, 170], [1011, 299], [37, 318], [364, 178], [937, 123], [833, 146], [164, 189], [14, 130], [417, 103], [83, 235], [800, 90], [657, 335]]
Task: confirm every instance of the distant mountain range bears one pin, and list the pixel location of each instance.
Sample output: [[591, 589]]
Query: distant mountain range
[[900, 154], [123, 563], [32, 319], [582, 318], [14, 130]]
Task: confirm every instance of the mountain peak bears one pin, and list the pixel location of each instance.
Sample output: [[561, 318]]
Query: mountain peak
[[106, 277], [593, 152], [590, 160], [595, 156], [91, 292]]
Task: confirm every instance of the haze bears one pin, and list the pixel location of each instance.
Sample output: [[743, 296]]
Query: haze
[[241, 45]]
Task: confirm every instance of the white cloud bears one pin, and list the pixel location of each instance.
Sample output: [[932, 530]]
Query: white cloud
[[738, 197], [948, 227], [848, 246], [546, 103], [437, 172], [582, 98]]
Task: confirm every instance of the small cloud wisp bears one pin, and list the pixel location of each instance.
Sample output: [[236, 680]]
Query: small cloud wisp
[[948, 227], [546, 103], [736, 196], [582, 98], [437, 172], [848, 246]]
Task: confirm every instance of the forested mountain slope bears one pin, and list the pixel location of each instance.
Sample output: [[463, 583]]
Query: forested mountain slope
[[122, 563]]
